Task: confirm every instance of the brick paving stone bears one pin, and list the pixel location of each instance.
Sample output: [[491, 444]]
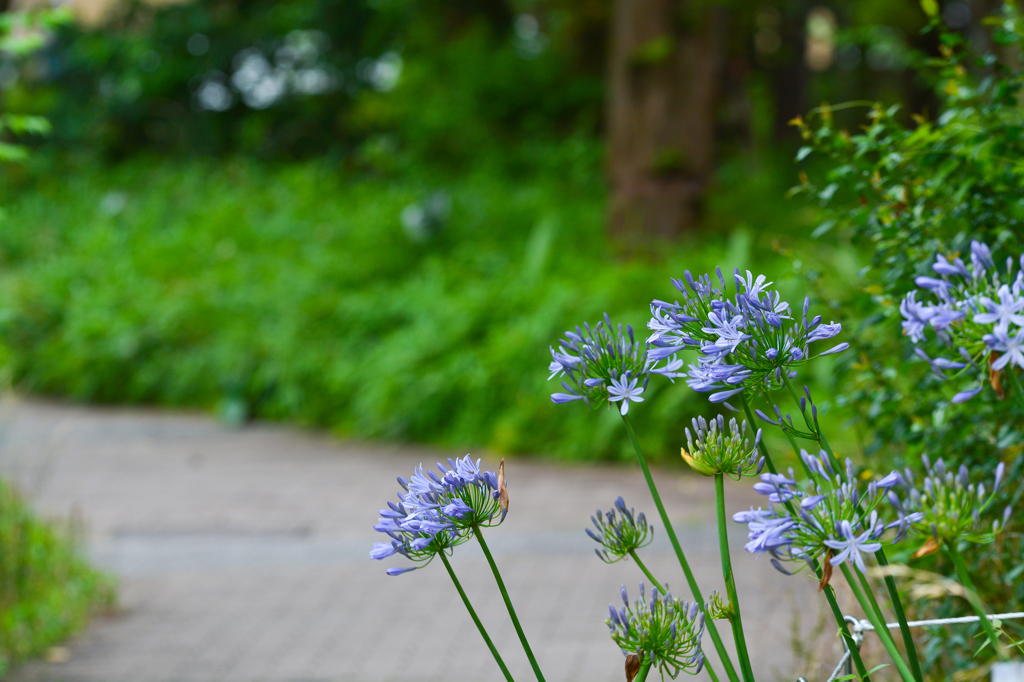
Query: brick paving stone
[[242, 556]]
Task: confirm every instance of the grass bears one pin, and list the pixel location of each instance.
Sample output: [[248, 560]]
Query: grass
[[47, 590], [294, 293]]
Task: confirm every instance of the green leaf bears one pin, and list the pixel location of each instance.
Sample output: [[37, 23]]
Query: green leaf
[[930, 7], [12, 152], [803, 153]]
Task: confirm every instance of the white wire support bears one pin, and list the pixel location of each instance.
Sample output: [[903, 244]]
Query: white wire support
[[859, 627], [863, 625]]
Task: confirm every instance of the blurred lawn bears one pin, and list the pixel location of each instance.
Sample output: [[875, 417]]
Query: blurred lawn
[[294, 292]]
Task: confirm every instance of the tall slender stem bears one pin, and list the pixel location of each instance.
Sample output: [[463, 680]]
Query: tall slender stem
[[901, 617], [472, 613], [650, 576], [830, 596], [645, 668], [1015, 384], [972, 598], [761, 446], [890, 583], [822, 441], [508, 604], [730, 581], [730, 670], [879, 623]]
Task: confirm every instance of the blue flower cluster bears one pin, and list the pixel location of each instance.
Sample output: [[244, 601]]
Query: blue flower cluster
[[436, 513], [973, 308], [748, 340], [830, 515], [667, 630], [620, 531], [602, 363]]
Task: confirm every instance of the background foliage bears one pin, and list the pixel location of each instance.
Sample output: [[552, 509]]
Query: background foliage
[[911, 186]]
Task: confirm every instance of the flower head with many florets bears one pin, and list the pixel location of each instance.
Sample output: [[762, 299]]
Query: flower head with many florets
[[665, 629], [601, 363], [974, 309], [710, 450], [435, 512], [747, 340], [948, 507], [620, 532], [828, 514]]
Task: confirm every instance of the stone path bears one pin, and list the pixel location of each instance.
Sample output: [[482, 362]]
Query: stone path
[[242, 556]]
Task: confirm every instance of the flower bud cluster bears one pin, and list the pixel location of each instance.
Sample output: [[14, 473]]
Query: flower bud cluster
[[436, 513], [601, 363], [973, 308], [709, 450], [947, 506], [749, 340], [620, 531], [667, 630], [833, 515]]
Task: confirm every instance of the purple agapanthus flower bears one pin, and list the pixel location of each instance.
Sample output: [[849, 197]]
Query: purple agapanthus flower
[[850, 546], [746, 339], [975, 309], [437, 512], [829, 512], [600, 364], [625, 389]]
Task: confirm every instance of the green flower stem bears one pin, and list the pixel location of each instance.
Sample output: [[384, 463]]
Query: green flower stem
[[472, 613], [508, 604], [830, 594], [645, 668], [730, 670], [879, 623], [654, 581], [730, 581], [901, 617], [1015, 384], [761, 446], [844, 629], [890, 582], [822, 441], [869, 593], [972, 598]]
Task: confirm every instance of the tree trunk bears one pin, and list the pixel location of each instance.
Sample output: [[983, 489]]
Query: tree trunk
[[665, 70]]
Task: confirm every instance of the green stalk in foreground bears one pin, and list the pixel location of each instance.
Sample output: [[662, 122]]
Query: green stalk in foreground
[[972, 598], [645, 668], [890, 582], [830, 595], [730, 581], [654, 581], [879, 623], [1018, 392], [730, 670], [472, 613], [508, 604]]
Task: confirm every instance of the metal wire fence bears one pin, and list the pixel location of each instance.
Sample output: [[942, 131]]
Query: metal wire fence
[[858, 627]]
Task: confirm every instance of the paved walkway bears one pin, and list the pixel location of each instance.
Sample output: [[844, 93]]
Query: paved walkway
[[242, 556]]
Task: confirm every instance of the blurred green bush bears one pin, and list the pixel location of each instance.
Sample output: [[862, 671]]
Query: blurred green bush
[[307, 293], [47, 590], [912, 186]]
